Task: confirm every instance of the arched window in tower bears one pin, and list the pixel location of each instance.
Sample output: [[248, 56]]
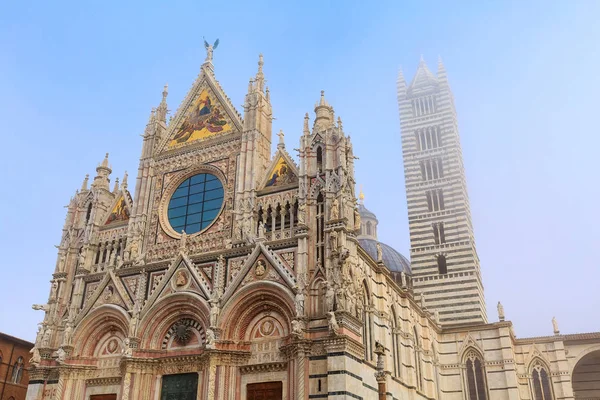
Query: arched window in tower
[[369, 228], [442, 266], [17, 373], [319, 160], [320, 228], [88, 214], [476, 384], [439, 236], [417, 359], [541, 386]]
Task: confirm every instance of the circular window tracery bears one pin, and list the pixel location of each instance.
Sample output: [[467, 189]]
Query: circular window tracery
[[196, 203]]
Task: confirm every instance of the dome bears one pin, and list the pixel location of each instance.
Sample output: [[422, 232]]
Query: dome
[[364, 213], [392, 259]]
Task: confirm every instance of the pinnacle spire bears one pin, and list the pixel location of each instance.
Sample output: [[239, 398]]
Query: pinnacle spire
[[124, 184], [104, 163], [116, 187], [161, 110], [260, 76], [306, 130], [361, 196], [84, 185]]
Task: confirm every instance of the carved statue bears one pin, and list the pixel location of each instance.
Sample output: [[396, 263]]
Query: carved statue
[[299, 303], [40, 335], [333, 241], [214, 312], [54, 290], [301, 214], [351, 301], [81, 259], [41, 307], [334, 212], [113, 258], [127, 350], [333, 325], [296, 328], [379, 253], [183, 240], [360, 305], [261, 230], [61, 355], [46, 338], [133, 322], [260, 268], [68, 335], [209, 50], [132, 252], [555, 326], [340, 298], [329, 296], [181, 278], [500, 312], [356, 220], [35, 356], [210, 339], [423, 301], [436, 316]]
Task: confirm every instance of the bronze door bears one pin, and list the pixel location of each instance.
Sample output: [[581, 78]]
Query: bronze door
[[265, 391], [179, 387]]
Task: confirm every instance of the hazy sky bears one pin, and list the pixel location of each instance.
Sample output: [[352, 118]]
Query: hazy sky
[[79, 79]]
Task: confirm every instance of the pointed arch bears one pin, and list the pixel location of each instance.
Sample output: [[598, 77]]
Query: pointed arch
[[317, 297], [105, 319], [169, 309], [475, 375], [540, 382], [367, 321], [396, 344], [258, 297]]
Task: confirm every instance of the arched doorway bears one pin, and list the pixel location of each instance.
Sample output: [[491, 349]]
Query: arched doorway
[[586, 377]]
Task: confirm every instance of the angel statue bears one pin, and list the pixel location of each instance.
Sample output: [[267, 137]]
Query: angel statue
[[209, 50]]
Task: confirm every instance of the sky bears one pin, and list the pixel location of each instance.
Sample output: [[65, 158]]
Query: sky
[[79, 79]]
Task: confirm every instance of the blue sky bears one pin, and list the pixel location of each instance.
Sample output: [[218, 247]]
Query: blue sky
[[79, 79]]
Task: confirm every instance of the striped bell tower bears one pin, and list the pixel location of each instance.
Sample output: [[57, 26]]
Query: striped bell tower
[[444, 261]]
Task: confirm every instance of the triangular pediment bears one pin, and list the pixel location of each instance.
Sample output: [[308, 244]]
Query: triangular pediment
[[262, 264], [423, 77], [120, 211], [181, 276], [281, 173], [205, 113], [110, 290]]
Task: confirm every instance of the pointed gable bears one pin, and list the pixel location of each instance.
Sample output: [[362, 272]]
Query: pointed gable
[[120, 211], [281, 172], [423, 77], [205, 113]]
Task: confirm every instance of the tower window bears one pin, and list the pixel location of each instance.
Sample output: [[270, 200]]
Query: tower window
[[442, 267], [320, 228], [17, 371], [435, 200], [88, 213], [319, 160], [431, 169], [423, 105], [428, 138], [438, 233]]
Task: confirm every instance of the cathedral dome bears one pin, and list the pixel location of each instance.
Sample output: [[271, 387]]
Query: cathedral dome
[[367, 238], [392, 259]]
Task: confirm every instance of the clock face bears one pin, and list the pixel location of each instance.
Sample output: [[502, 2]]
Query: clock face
[[196, 203]]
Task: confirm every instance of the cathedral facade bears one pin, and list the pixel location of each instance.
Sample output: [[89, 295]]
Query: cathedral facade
[[233, 273]]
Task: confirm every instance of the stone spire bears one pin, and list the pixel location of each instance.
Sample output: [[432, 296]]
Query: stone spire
[[281, 143], [161, 110], [116, 187], [324, 114], [84, 185], [124, 184], [400, 82], [103, 172], [260, 76], [306, 130]]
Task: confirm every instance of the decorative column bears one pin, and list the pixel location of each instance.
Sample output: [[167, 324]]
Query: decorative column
[[380, 375]]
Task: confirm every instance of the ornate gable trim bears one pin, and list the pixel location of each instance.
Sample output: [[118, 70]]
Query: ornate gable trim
[[181, 262], [287, 178], [536, 354], [205, 80], [119, 210], [279, 265], [110, 277], [468, 345]]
